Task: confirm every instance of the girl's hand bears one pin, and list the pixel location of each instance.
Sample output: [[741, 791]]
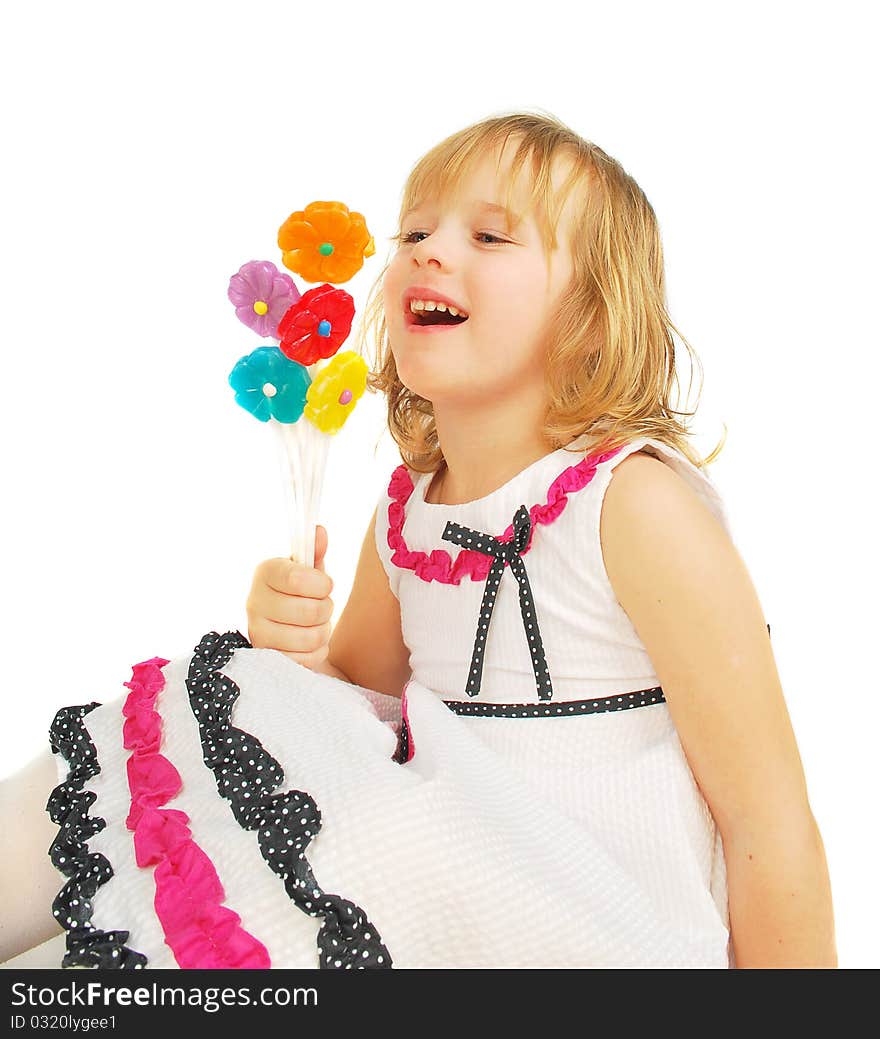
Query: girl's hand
[[289, 607]]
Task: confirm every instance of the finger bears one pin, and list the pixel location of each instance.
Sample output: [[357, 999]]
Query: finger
[[283, 575], [265, 603], [297, 610], [310, 660], [320, 546], [289, 638]]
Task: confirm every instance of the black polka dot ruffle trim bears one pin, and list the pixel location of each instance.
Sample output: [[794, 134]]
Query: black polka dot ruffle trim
[[68, 807], [401, 751], [285, 823]]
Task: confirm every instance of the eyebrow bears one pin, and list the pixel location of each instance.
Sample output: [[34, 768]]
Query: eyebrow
[[481, 206]]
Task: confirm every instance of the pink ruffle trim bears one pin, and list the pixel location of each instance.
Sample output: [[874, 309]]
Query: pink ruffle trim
[[202, 933], [438, 565], [404, 713]]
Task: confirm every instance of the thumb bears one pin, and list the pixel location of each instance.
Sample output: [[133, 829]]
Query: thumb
[[320, 546]]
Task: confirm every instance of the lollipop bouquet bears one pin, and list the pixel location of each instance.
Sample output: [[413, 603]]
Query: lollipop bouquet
[[301, 385]]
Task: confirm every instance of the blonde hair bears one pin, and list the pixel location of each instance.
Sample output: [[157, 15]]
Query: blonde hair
[[610, 369]]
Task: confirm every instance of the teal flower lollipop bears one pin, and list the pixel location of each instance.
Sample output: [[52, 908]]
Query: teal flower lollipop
[[268, 385]]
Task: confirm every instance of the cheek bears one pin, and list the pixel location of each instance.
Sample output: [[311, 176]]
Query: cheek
[[519, 321], [387, 289], [520, 289], [392, 283]]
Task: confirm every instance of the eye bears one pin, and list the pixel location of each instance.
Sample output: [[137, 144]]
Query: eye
[[408, 239]]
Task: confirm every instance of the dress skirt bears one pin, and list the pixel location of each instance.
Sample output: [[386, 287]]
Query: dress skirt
[[235, 809]]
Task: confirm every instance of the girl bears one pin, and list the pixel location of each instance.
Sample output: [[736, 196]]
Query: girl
[[584, 762]]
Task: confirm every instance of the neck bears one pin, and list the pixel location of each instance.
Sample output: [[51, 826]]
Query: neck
[[484, 448]]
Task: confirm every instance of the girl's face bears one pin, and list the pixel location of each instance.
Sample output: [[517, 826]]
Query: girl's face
[[464, 251]]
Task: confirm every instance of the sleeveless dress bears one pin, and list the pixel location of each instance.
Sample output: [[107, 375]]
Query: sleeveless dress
[[525, 803]]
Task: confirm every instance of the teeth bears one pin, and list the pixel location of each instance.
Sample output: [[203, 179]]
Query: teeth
[[430, 304]]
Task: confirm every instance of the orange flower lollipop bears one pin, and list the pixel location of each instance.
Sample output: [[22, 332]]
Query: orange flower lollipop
[[325, 242]]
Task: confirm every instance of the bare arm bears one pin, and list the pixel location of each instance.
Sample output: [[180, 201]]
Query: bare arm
[[686, 590], [29, 880], [366, 645]]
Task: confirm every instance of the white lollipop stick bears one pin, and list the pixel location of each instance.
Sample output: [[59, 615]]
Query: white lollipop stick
[[308, 481], [316, 446], [290, 436], [303, 461]]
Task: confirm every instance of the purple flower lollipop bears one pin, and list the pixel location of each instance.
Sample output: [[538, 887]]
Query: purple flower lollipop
[[262, 295]]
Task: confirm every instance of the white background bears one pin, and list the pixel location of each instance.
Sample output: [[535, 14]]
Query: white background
[[151, 149]]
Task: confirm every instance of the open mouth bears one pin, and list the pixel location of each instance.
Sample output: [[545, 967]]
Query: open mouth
[[433, 318]]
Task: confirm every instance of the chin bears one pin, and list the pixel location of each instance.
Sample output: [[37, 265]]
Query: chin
[[423, 383], [422, 376]]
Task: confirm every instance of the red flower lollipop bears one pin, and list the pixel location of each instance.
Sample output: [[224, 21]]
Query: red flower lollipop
[[316, 325]]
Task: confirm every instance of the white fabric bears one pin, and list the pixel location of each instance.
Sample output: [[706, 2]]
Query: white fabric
[[624, 773], [470, 855], [504, 842], [591, 646]]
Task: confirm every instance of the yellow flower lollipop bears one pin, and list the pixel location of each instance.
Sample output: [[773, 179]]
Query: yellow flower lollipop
[[331, 398]]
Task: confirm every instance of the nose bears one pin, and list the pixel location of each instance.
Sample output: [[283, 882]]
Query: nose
[[433, 249]]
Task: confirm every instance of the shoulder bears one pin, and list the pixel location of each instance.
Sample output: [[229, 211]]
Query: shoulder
[[639, 461], [642, 486], [676, 573], [658, 535]]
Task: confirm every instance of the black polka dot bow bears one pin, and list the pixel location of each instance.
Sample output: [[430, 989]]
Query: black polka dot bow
[[505, 553]]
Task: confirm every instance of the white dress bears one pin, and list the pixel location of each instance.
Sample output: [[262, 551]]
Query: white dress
[[526, 803]]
